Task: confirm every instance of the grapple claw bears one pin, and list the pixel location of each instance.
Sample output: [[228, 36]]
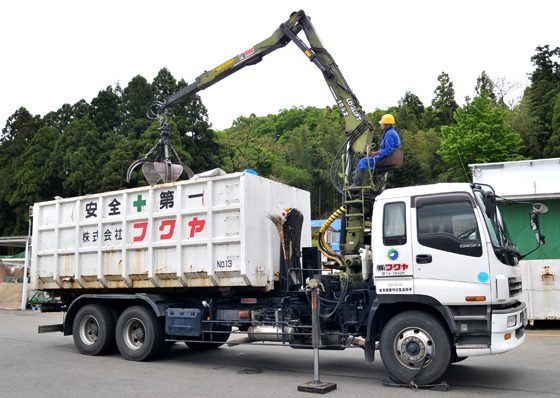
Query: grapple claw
[[161, 167]]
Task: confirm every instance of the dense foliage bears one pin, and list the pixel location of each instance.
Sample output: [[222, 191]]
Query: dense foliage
[[87, 147]]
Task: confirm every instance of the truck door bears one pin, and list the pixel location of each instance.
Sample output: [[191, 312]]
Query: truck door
[[449, 257], [393, 251]]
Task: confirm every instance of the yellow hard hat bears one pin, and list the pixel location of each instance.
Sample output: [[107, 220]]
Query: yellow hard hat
[[387, 119]]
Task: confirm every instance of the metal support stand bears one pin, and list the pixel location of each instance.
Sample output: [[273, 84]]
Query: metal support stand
[[316, 385], [25, 286]]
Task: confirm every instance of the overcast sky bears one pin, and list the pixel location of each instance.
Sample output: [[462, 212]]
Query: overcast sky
[[56, 52]]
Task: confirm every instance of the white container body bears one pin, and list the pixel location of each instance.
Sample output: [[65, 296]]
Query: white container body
[[541, 288], [525, 179], [210, 232]]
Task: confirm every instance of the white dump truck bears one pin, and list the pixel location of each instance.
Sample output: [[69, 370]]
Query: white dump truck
[[193, 260], [426, 273]]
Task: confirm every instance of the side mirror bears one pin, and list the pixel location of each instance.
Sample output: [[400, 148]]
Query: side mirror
[[536, 211], [538, 208]]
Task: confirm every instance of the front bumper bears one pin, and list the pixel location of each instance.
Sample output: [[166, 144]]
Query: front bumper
[[502, 337], [506, 338]]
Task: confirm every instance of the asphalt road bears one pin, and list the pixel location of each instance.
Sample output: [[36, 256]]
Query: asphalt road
[[48, 365]]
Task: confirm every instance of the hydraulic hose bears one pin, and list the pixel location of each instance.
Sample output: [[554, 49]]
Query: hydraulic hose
[[323, 245]]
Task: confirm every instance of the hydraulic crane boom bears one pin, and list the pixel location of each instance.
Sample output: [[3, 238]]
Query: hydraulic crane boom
[[358, 129], [355, 119]]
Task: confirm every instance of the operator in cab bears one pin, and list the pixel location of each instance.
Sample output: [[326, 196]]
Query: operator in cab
[[389, 155]]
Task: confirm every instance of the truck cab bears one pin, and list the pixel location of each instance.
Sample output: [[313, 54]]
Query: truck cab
[[444, 244]]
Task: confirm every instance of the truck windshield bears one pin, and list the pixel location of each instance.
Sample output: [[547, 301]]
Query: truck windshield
[[505, 250], [496, 234]]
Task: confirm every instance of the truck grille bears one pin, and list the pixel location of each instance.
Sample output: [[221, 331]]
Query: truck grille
[[515, 286]]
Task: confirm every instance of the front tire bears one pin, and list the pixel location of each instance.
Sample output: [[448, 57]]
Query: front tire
[[139, 334], [93, 330], [411, 340]]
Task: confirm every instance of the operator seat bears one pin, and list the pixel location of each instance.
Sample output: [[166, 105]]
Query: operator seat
[[393, 161]]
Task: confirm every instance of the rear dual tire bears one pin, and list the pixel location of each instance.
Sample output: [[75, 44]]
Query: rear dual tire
[[139, 334], [94, 330]]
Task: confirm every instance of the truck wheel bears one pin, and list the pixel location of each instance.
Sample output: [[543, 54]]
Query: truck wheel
[[211, 340], [139, 334], [411, 339], [94, 330]]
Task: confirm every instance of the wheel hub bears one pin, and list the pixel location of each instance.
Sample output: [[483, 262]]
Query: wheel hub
[[134, 333], [89, 330], [414, 347]]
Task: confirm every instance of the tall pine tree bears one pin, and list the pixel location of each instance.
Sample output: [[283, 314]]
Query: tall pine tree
[[443, 104]]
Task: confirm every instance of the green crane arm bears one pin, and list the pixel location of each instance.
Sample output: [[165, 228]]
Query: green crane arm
[[357, 126]]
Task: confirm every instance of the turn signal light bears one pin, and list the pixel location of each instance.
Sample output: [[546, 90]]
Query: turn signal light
[[507, 336], [475, 298]]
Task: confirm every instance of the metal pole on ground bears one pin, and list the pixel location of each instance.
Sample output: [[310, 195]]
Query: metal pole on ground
[[316, 385], [25, 268]]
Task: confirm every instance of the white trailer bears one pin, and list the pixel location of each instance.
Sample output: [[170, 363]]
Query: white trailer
[[522, 181]]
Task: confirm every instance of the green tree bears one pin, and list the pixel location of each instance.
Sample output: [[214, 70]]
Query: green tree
[[422, 163], [76, 156], [485, 86], [481, 135], [546, 65], [163, 85], [67, 113], [113, 162], [522, 120], [19, 130], [245, 147], [410, 114], [137, 98], [552, 148], [197, 136], [295, 166], [444, 104], [35, 178], [106, 110], [541, 94]]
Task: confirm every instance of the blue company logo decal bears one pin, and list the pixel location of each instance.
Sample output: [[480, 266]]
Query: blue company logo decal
[[392, 254], [483, 277]]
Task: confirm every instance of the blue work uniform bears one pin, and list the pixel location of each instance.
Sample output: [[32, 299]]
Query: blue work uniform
[[390, 142]]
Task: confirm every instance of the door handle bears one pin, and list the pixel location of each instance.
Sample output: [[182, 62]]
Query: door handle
[[423, 258]]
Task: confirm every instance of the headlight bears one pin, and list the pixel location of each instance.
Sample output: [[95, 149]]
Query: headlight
[[511, 321]]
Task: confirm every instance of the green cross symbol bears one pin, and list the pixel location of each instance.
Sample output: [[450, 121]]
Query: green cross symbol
[[139, 203]]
